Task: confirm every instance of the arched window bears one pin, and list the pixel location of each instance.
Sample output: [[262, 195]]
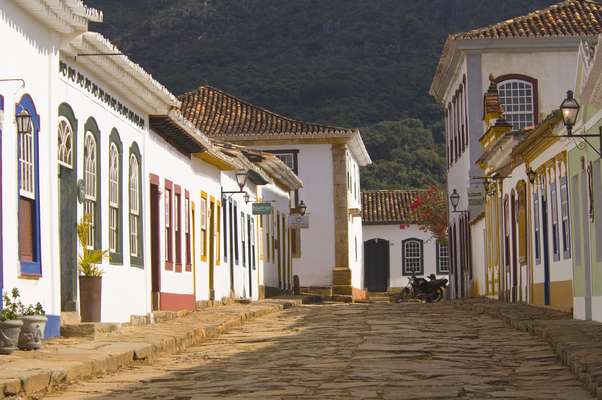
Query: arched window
[[90, 185], [518, 97], [113, 198], [65, 143], [134, 205], [412, 257]]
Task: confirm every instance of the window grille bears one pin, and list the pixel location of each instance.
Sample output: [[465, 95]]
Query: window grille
[[65, 143], [517, 99]]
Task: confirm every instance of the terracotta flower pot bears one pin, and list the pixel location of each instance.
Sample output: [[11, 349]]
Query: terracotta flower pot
[[90, 292], [32, 332], [9, 335]]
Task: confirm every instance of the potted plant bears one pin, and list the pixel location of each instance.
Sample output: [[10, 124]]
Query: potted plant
[[10, 324], [34, 322], [90, 279]]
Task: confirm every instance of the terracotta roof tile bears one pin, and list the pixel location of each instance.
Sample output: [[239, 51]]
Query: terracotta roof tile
[[383, 207], [568, 18], [217, 113]]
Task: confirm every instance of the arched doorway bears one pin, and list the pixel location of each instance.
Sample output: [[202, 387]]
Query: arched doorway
[[376, 265]]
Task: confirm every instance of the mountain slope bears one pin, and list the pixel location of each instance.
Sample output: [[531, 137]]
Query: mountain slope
[[342, 62]]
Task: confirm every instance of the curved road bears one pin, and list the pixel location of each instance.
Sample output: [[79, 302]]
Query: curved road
[[360, 351]]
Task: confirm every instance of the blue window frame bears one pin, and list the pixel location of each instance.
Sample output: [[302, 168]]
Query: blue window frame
[[536, 224], [29, 192]]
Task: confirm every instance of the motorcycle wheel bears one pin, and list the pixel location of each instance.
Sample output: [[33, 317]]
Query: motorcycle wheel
[[406, 294], [438, 295]]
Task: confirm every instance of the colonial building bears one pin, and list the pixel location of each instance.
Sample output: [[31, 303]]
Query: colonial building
[[585, 187], [528, 242], [104, 139], [395, 245], [533, 59], [328, 254]]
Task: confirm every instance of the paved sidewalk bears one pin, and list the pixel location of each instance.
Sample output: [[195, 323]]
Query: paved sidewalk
[[62, 361], [578, 344]]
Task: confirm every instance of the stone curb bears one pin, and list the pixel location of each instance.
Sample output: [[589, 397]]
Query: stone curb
[[33, 378], [578, 344]]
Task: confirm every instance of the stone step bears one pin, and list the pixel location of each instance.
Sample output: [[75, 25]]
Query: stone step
[[70, 318], [93, 330]]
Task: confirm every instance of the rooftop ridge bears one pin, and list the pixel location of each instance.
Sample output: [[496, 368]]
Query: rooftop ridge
[[261, 119], [531, 25]]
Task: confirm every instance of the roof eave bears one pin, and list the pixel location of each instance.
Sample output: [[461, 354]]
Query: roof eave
[[67, 17]]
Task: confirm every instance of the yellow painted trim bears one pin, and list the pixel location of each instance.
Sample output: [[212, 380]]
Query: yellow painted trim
[[215, 161], [193, 248], [204, 245]]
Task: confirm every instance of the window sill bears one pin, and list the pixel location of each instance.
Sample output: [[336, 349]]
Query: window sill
[[31, 270]]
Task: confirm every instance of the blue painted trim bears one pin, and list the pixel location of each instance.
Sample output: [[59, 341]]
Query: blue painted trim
[[27, 103], [53, 326]]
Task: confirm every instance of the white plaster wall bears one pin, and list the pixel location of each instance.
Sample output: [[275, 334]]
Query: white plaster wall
[[477, 234], [130, 282], [554, 70], [195, 176], [316, 263], [356, 247], [396, 235], [561, 270], [30, 53], [242, 289], [280, 201]]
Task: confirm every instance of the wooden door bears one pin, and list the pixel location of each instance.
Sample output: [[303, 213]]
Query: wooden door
[[155, 231], [376, 265]]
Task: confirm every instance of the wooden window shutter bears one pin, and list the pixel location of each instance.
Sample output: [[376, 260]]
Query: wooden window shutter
[[26, 229]]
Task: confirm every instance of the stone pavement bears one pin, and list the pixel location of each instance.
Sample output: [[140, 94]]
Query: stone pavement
[[25, 375], [353, 351], [578, 344]]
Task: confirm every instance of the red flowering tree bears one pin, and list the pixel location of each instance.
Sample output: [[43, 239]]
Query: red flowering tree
[[430, 209]]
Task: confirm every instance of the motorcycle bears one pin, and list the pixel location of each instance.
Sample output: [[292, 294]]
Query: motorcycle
[[430, 291]]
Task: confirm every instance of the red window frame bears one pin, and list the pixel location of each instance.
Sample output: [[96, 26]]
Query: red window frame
[[178, 225], [168, 215], [187, 229]]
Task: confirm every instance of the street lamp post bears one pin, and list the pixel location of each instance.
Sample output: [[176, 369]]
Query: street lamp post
[[241, 181], [23, 122], [570, 111]]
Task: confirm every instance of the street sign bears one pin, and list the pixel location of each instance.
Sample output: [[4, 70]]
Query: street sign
[[262, 208], [476, 200], [298, 221]]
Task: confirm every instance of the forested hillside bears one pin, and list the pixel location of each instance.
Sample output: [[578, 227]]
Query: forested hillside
[[352, 63]]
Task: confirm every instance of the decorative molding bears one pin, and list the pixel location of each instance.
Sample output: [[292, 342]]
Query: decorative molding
[[98, 92]]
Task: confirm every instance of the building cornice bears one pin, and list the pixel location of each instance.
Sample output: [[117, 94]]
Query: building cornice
[[64, 16], [126, 77], [455, 49]]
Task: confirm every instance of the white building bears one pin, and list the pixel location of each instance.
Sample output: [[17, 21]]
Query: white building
[[533, 60], [327, 256], [107, 140], [395, 246]]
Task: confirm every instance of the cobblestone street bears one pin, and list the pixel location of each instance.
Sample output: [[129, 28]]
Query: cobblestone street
[[360, 351]]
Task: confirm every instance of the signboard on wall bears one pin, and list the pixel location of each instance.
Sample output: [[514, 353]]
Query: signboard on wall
[[298, 221], [262, 208], [476, 200]]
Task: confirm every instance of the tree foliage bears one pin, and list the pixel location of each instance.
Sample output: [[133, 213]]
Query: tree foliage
[[432, 212]]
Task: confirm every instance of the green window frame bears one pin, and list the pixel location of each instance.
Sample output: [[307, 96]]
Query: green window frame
[[136, 221]]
